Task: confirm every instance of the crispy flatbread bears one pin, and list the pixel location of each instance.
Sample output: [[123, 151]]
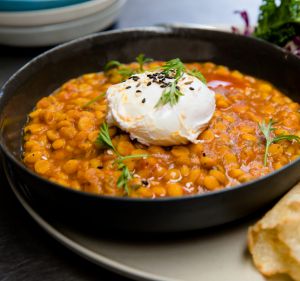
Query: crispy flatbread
[[274, 241]]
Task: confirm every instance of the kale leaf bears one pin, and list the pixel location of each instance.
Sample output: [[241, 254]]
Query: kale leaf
[[278, 23]]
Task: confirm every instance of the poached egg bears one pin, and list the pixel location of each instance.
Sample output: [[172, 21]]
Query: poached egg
[[133, 107]]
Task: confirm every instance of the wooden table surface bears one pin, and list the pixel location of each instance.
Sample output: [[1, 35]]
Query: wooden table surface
[[26, 251]]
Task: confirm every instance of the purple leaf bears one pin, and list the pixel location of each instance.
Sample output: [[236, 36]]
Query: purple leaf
[[247, 29]]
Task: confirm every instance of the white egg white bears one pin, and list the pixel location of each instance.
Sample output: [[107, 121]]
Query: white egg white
[[132, 107]]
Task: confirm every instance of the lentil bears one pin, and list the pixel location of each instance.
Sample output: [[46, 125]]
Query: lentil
[[59, 138]]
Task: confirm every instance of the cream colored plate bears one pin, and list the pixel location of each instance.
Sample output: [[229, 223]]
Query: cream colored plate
[[218, 254], [211, 255]]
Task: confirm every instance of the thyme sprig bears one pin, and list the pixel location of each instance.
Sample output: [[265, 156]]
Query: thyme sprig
[[266, 129], [173, 68], [111, 64], [126, 71], [142, 60], [122, 69], [92, 101], [196, 73], [104, 140], [170, 95]]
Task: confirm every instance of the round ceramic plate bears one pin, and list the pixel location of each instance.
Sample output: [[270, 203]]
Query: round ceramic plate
[[213, 254], [57, 33], [210, 255], [52, 16]]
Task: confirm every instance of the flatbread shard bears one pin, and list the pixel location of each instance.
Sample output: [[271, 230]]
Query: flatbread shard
[[274, 241]]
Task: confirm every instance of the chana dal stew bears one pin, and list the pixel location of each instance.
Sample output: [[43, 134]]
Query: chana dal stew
[[255, 130]]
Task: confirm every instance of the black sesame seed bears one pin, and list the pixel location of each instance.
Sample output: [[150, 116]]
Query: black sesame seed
[[128, 87], [138, 91], [143, 100], [100, 167], [203, 154], [191, 88], [138, 84], [163, 86], [149, 83], [145, 182], [188, 83]]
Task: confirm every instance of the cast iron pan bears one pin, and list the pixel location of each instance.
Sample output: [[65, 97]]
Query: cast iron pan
[[47, 72]]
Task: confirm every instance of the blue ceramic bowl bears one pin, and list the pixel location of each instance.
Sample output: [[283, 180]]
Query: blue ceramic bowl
[[32, 5]]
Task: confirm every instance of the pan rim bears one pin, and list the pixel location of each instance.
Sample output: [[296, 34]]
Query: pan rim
[[167, 29]]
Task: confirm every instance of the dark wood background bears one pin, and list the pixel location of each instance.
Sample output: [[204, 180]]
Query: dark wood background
[[26, 251]]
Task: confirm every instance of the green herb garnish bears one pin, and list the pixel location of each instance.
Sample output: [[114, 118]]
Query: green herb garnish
[[170, 95], [174, 68], [278, 23], [104, 140], [122, 69], [266, 129], [93, 100], [124, 177], [196, 73], [125, 71], [111, 64], [141, 60]]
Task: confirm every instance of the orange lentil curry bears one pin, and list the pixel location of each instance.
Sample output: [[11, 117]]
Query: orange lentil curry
[[59, 138]]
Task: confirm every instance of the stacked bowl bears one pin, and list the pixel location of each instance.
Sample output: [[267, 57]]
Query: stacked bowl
[[34, 23]]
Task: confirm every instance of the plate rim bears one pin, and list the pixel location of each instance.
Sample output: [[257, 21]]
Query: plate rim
[[52, 34], [77, 248]]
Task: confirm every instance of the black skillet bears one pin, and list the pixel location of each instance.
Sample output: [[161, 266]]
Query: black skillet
[[47, 72]]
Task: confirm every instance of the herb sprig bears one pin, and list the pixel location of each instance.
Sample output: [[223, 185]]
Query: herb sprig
[[170, 95], [104, 140], [196, 73], [171, 69], [142, 60], [92, 101], [111, 64], [266, 129], [175, 69], [126, 71]]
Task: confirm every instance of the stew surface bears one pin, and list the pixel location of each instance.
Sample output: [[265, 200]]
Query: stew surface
[[59, 139]]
